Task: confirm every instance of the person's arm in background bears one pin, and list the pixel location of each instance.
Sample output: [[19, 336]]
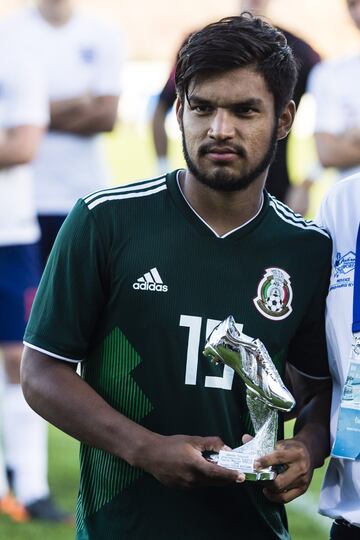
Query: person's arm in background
[[337, 145], [298, 196], [18, 145], [96, 110], [85, 115], [340, 150], [165, 101], [26, 115]]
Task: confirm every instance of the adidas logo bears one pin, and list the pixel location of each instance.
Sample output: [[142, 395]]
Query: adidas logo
[[151, 281]]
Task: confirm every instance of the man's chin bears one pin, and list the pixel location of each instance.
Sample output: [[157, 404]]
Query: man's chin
[[223, 181]]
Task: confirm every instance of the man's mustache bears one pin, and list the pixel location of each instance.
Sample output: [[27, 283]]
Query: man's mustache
[[222, 148]]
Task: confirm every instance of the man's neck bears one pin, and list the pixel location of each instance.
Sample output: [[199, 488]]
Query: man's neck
[[56, 15], [222, 211]]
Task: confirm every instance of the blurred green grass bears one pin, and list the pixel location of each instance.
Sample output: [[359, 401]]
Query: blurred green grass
[[131, 156]]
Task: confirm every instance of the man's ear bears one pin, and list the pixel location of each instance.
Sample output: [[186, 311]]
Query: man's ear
[[179, 111], [286, 120]]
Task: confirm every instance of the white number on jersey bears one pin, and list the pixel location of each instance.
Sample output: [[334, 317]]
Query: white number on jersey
[[193, 350]]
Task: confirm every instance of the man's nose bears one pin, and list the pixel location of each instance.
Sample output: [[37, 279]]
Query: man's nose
[[222, 125]]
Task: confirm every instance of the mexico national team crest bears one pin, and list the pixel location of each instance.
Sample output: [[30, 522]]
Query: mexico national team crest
[[274, 295]]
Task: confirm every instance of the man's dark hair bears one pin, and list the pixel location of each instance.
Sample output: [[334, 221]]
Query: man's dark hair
[[235, 42]]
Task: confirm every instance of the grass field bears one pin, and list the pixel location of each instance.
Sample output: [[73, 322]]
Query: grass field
[[131, 157]]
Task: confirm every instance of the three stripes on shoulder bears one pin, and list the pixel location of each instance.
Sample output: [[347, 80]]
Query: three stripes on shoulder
[[130, 191]]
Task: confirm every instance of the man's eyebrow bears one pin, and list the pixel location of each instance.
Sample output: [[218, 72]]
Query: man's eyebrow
[[198, 100], [194, 100], [251, 102]]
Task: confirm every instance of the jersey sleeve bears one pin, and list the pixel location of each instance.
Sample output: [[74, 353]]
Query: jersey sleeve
[[329, 115], [71, 293], [307, 351], [108, 74]]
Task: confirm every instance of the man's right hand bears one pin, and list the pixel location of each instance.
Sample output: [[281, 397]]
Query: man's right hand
[[177, 462]]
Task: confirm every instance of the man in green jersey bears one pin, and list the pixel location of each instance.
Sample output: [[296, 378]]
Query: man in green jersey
[[141, 274]]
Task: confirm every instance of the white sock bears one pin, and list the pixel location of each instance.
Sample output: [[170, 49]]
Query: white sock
[[25, 446], [4, 488]]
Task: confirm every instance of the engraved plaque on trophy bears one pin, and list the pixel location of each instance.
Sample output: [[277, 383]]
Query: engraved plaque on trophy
[[266, 394]]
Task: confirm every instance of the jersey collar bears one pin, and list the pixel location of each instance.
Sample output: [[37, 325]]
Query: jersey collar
[[183, 204]]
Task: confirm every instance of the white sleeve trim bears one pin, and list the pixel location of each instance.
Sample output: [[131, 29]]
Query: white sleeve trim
[[72, 360], [310, 376]]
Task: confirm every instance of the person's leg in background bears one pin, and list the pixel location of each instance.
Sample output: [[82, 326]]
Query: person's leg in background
[[4, 486], [49, 226], [24, 433]]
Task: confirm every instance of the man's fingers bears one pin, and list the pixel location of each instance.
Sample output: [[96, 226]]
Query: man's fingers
[[214, 474], [283, 454], [275, 458], [284, 496], [214, 444], [246, 438]]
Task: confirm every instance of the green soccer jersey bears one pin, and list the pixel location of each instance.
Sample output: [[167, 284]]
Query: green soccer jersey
[[134, 284]]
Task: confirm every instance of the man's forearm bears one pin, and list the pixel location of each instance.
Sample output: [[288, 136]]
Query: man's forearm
[[79, 411], [85, 115], [341, 151], [55, 391], [312, 425], [18, 145]]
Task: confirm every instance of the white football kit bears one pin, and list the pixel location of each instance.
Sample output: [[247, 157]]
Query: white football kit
[[83, 56], [340, 215], [23, 102]]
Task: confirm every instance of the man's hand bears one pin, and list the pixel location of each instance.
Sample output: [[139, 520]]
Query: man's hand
[[177, 462], [295, 479]]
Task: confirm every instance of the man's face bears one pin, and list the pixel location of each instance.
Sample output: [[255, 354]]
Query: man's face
[[229, 129], [354, 9]]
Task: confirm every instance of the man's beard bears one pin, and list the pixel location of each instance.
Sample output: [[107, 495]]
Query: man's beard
[[223, 179]]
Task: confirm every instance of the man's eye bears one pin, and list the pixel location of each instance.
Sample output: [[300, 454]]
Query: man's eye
[[245, 111], [202, 109]]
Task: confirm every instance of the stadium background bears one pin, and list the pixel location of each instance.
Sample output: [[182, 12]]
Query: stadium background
[[153, 31]]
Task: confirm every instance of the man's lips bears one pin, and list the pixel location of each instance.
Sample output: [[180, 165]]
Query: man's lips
[[222, 154]]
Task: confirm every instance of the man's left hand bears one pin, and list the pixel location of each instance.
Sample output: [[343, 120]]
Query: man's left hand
[[295, 479]]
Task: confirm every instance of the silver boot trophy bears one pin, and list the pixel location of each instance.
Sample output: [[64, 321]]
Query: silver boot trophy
[[265, 396]]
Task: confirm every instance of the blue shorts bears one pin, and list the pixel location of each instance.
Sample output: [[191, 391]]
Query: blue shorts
[[20, 272], [49, 226]]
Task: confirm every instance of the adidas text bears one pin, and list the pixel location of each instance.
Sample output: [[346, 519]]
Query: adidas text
[[150, 287]]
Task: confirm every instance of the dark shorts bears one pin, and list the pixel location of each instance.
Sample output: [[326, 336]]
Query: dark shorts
[[49, 226], [342, 530], [20, 271]]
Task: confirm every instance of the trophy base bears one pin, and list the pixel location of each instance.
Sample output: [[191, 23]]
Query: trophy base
[[262, 474], [241, 462]]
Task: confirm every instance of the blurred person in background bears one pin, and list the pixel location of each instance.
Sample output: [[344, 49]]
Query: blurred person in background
[[82, 59], [340, 494], [335, 85], [140, 274], [278, 181], [23, 117]]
